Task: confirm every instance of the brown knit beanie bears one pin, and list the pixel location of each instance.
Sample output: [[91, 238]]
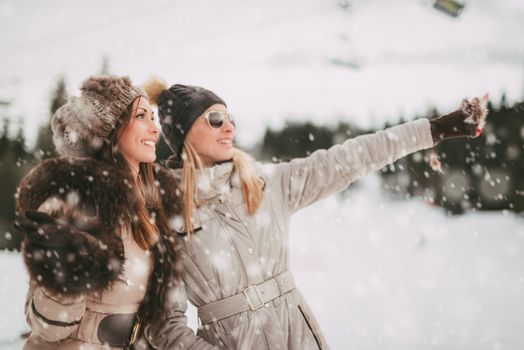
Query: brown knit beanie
[[83, 124]]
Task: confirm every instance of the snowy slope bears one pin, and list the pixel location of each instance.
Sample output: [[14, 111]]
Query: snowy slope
[[270, 60], [13, 286], [385, 275], [402, 275]]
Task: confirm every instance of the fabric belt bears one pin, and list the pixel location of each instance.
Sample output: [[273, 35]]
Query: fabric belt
[[119, 330], [251, 298]]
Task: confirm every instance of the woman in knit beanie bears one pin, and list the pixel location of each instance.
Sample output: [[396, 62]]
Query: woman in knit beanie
[[236, 215], [97, 245]]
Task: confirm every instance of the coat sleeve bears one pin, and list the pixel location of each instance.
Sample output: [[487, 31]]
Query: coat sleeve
[[53, 317], [305, 180], [173, 332]]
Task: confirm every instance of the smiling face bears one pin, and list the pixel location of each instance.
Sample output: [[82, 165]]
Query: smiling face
[[137, 141], [212, 145]]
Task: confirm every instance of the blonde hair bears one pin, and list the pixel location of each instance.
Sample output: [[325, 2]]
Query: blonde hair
[[251, 184]]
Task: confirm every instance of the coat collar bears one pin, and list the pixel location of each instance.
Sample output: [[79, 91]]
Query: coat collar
[[213, 181]]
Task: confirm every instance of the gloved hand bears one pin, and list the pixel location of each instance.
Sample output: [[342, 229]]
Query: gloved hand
[[468, 121], [68, 258]]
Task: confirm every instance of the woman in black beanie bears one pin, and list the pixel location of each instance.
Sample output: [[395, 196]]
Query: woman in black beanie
[[236, 213]]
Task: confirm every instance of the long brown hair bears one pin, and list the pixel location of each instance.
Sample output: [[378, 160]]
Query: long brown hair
[[251, 184], [144, 231]]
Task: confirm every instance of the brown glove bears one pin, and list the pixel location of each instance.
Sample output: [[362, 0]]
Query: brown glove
[[468, 121]]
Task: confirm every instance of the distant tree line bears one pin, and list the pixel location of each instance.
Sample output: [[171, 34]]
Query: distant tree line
[[15, 161], [486, 173]]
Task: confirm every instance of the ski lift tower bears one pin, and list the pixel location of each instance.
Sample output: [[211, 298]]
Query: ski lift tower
[[6, 94], [4, 107], [347, 56]]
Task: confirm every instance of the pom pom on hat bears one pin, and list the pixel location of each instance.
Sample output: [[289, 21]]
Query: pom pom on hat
[[154, 86]]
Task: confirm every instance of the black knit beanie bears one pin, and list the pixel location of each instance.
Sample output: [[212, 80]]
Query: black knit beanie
[[178, 108]]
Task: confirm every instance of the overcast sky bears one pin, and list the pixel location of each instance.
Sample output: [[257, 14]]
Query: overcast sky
[[270, 60]]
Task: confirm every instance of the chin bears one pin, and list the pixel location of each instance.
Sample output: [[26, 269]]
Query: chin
[[148, 159], [228, 155], [225, 158]]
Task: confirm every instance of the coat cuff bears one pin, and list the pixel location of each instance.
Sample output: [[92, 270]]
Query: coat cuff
[[57, 310]]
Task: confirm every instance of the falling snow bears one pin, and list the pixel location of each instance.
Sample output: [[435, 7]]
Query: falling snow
[[379, 273]]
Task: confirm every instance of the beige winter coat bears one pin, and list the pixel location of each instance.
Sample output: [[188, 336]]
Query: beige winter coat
[[124, 297], [73, 286], [234, 250]]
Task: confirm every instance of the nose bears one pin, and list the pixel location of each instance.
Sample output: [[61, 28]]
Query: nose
[[228, 126], [153, 127]]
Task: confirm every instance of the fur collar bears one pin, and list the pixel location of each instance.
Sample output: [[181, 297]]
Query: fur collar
[[98, 189]]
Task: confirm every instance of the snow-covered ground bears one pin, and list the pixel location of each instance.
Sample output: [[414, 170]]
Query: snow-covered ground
[[381, 274], [13, 286], [402, 275]]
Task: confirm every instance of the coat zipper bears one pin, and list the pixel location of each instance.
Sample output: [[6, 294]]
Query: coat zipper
[[226, 203]]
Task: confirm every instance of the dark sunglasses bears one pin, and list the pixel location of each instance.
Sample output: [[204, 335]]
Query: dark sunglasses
[[215, 119]]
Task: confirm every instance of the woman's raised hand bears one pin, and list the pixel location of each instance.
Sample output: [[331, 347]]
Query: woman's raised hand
[[467, 121]]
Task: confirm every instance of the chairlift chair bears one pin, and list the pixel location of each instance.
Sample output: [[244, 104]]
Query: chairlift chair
[[450, 7]]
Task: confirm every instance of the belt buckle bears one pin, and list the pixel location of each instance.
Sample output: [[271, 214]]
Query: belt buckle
[[253, 307], [134, 331]]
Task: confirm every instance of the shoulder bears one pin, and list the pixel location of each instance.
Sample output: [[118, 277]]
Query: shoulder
[[83, 182], [270, 172], [163, 175]]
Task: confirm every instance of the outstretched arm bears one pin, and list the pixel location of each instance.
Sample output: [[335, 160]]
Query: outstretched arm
[[303, 181]]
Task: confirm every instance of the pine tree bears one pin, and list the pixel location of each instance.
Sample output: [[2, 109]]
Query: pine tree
[[4, 139], [295, 140], [44, 142], [10, 174], [503, 101], [22, 156], [522, 97], [104, 70]]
